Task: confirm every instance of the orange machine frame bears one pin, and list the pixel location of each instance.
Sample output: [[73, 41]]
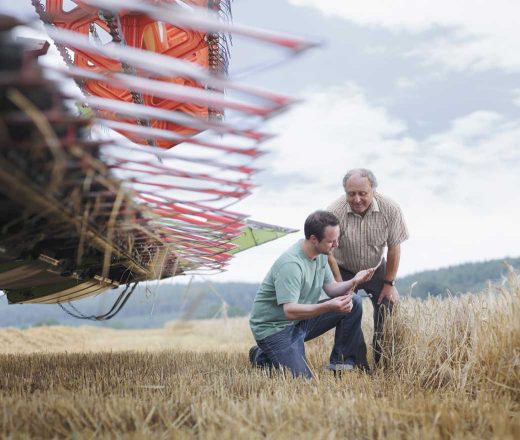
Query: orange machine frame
[[145, 33]]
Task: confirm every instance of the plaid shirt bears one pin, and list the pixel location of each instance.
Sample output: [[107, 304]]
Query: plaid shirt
[[364, 238]]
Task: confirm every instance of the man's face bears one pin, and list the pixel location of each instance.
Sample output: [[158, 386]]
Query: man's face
[[329, 242], [359, 194]]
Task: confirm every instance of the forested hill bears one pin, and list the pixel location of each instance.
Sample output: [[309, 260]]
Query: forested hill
[[154, 304], [463, 278]]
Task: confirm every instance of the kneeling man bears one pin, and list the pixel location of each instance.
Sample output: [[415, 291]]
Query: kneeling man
[[286, 311]]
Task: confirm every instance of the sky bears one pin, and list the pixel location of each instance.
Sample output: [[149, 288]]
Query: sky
[[425, 94]]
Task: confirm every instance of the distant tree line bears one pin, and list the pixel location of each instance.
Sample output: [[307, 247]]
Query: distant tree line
[[151, 306], [154, 304], [455, 280]]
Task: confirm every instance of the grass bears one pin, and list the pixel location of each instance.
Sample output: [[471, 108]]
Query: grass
[[452, 370]]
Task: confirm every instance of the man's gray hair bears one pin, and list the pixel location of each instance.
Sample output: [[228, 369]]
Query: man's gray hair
[[362, 172]]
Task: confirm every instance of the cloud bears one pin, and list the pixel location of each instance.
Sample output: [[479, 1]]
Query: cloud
[[405, 83], [457, 187], [466, 34], [336, 120], [516, 97]]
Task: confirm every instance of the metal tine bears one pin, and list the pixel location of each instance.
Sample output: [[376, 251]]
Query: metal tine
[[150, 132], [180, 227], [177, 117], [167, 155], [204, 254], [189, 237], [184, 225], [158, 64], [162, 193], [235, 168], [224, 230], [228, 223], [204, 20], [168, 90], [202, 248], [147, 198], [186, 230], [230, 217], [218, 193], [231, 193], [189, 233], [163, 223], [159, 170], [195, 244], [193, 232], [187, 244]]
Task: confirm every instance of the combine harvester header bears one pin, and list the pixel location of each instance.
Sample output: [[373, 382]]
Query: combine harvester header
[[138, 185]]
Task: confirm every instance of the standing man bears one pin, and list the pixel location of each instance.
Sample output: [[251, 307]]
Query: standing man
[[286, 311], [370, 222]]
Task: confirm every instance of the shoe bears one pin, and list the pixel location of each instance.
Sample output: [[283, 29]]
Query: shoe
[[341, 367], [252, 355]]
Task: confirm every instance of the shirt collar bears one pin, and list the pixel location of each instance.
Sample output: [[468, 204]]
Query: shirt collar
[[374, 207], [302, 252]]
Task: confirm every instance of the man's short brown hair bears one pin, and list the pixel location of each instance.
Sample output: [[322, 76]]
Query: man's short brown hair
[[316, 223]]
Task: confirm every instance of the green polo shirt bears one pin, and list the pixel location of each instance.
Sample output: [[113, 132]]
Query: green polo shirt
[[293, 278]]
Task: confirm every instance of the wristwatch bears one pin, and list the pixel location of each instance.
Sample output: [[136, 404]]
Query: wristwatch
[[389, 282]]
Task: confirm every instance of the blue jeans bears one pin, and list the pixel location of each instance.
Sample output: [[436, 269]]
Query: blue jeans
[[286, 348], [373, 289]]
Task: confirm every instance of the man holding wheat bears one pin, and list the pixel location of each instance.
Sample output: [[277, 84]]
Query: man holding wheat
[[370, 222], [286, 311]]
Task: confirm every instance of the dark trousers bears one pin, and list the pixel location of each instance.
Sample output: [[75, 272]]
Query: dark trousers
[[373, 289], [286, 348]]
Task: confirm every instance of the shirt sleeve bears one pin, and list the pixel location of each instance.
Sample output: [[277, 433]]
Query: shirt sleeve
[[397, 230], [337, 207], [288, 283]]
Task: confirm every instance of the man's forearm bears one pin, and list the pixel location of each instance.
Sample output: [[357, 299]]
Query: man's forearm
[[294, 311], [392, 265], [337, 289], [393, 257]]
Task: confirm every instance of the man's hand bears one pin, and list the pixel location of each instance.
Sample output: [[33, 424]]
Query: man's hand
[[363, 276], [295, 311], [341, 304], [389, 292]]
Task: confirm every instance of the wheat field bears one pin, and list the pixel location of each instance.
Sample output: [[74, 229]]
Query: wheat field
[[451, 371]]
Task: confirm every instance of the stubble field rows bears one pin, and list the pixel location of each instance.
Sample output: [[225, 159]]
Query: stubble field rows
[[451, 370]]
